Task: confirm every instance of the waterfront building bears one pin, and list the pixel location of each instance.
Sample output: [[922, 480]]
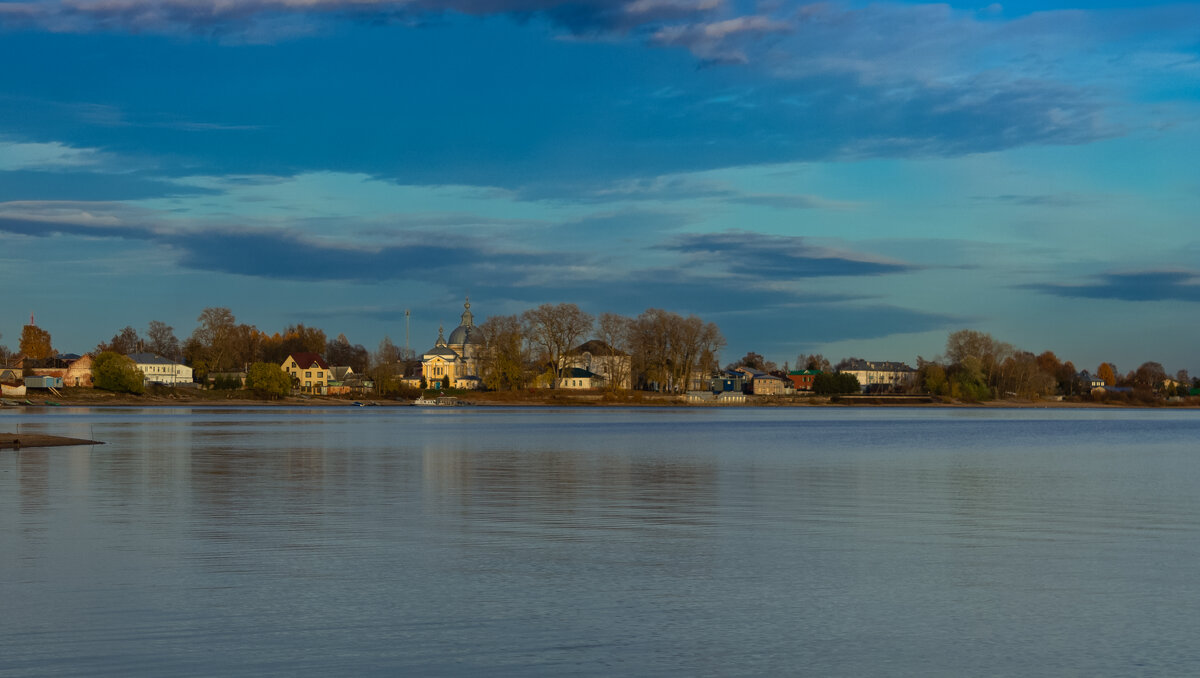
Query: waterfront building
[[879, 375], [160, 370], [455, 362], [608, 366], [310, 373]]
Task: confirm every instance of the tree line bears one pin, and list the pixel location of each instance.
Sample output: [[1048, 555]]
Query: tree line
[[663, 349], [976, 366]]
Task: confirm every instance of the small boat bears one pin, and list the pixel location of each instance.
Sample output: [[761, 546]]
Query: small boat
[[440, 401], [357, 404]]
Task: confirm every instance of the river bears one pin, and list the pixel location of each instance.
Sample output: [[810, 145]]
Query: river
[[602, 542]]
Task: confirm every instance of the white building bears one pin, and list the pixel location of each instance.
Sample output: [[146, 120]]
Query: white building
[[881, 375], [159, 370]]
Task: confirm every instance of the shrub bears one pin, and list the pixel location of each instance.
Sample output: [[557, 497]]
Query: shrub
[[266, 379], [115, 372]]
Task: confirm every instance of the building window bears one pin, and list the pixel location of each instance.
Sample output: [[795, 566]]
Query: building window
[[308, 374]]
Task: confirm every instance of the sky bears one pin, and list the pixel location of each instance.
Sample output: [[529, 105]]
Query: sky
[[848, 178]]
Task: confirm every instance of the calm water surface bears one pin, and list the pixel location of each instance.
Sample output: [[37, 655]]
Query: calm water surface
[[521, 542]]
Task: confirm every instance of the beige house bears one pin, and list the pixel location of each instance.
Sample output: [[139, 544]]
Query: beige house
[[768, 384], [579, 378], [74, 370], [310, 373], [608, 366]]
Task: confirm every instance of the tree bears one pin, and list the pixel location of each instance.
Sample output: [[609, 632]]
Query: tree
[[124, 342], [112, 371], [245, 346], [340, 352], [35, 343], [754, 361], [506, 353], [969, 382], [813, 361], [1067, 378], [990, 354], [614, 330], [828, 383], [556, 329], [1107, 372], [161, 340], [1022, 374], [268, 380], [210, 348], [1149, 375], [5, 354], [931, 376], [669, 349], [385, 368]]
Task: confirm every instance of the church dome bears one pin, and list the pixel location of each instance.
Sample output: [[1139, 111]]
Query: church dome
[[466, 333]]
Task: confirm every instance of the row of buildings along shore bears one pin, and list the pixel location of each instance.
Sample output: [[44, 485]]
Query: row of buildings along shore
[[457, 362]]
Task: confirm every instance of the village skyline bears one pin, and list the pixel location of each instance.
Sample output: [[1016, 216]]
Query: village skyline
[[845, 178], [1043, 371]]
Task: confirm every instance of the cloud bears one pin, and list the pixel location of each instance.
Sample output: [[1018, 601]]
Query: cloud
[[789, 202], [768, 257], [1036, 200], [274, 19], [719, 41], [277, 253], [1135, 286], [52, 156], [89, 186]]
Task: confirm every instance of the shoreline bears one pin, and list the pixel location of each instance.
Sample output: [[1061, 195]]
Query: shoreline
[[102, 399]]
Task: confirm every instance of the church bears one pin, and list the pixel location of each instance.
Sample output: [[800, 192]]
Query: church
[[455, 363]]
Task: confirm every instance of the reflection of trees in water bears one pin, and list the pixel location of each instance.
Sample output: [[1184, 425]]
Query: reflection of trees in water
[[570, 489]]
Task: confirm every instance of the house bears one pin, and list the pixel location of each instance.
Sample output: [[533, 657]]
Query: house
[[767, 384], [70, 368], [160, 370], [728, 382], [802, 380], [345, 381], [310, 373], [613, 368], [1088, 382], [577, 377], [876, 376], [468, 383]]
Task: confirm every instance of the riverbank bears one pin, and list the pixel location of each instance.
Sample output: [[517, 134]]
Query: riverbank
[[164, 397]]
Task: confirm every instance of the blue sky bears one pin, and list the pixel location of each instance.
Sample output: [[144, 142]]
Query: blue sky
[[847, 178]]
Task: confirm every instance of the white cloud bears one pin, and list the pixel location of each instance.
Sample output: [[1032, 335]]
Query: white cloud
[[53, 155]]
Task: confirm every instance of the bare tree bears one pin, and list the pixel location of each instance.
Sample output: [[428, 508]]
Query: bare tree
[[210, 347], [813, 361], [556, 329], [613, 331], [124, 342], [161, 340], [669, 349]]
